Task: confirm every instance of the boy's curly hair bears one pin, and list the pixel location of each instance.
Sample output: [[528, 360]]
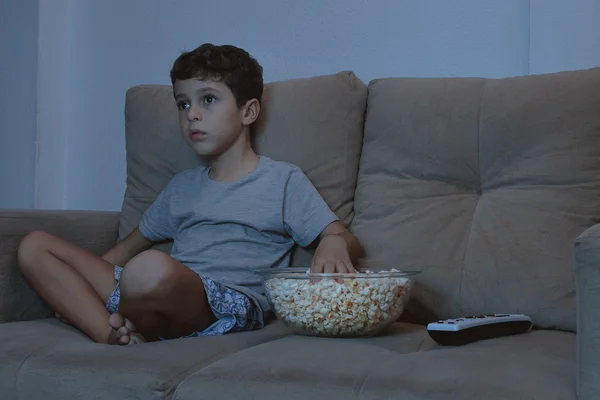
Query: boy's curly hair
[[228, 64]]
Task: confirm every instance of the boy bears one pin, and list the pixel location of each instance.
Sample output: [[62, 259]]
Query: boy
[[238, 213]]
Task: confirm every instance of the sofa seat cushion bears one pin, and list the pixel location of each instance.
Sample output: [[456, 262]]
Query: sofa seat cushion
[[47, 359], [405, 364]]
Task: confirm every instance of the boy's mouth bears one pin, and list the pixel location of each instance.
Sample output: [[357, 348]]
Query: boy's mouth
[[196, 135]]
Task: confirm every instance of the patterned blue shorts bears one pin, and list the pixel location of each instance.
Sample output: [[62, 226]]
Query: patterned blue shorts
[[234, 311]]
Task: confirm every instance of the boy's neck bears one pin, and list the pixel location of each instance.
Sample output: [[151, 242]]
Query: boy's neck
[[235, 163]]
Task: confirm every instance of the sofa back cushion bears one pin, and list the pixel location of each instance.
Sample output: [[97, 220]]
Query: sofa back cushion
[[315, 123], [483, 184]]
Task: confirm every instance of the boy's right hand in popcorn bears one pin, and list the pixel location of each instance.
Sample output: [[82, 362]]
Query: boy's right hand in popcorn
[[332, 256], [337, 251]]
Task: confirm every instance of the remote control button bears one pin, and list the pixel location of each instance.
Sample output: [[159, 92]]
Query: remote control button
[[450, 322], [502, 315]]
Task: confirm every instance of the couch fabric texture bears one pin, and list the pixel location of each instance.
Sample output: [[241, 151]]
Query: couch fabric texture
[[486, 183], [491, 187]]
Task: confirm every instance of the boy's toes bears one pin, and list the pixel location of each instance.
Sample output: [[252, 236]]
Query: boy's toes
[[130, 325], [116, 320], [123, 331], [136, 338], [124, 339], [123, 334]]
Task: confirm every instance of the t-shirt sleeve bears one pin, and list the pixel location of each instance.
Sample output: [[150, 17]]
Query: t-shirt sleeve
[[305, 213], [157, 222]]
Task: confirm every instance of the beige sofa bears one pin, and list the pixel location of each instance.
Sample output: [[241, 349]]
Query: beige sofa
[[490, 187]]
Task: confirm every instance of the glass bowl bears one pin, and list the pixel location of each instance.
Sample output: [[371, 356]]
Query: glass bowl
[[337, 305]]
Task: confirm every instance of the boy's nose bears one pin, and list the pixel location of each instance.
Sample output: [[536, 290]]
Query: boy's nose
[[194, 114]]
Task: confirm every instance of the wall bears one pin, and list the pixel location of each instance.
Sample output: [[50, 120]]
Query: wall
[[117, 44], [104, 47], [53, 99], [18, 80], [565, 35]]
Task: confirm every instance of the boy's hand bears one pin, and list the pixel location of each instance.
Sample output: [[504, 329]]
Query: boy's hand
[[332, 256]]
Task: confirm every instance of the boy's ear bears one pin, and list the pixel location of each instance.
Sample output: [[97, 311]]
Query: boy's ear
[[251, 111]]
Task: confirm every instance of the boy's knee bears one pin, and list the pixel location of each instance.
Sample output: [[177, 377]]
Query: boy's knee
[[30, 247], [146, 273]]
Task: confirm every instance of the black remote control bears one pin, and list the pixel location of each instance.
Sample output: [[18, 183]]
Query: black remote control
[[460, 331]]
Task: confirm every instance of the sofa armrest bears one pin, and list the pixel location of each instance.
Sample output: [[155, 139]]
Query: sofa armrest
[[587, 278], [93, 230]]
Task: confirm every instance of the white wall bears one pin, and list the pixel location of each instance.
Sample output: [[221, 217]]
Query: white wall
[[565, 35], [18, 101], [53, 99], [107, 46], [116, 44]]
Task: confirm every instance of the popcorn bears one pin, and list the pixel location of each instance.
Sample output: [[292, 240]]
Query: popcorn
[[343, 306]]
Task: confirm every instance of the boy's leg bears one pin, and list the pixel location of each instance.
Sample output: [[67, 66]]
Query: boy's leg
[[74, 282], [155, 285], [160, 294]]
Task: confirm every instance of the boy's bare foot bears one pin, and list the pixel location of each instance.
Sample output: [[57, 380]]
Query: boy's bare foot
[[124, 331]]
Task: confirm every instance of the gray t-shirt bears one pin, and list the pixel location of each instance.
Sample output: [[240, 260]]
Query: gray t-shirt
[[225, 231]]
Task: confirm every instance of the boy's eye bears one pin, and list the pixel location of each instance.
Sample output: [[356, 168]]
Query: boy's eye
[[209, 99], [182, 105]]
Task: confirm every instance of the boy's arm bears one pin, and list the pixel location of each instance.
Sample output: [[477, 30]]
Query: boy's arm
[[308, 218], [338, 250], [128, 248]]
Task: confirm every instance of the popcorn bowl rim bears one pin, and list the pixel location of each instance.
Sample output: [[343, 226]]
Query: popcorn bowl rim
[[301, 273]]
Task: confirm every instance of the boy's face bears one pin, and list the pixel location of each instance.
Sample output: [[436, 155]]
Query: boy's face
[[209, 118]]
